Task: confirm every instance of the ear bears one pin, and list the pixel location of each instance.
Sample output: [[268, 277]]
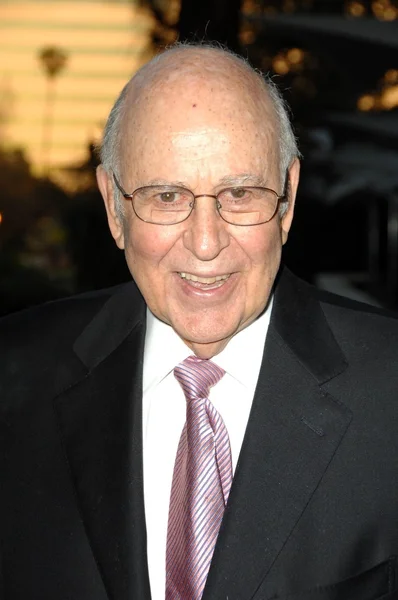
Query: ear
[[105, 185], [294, 176]]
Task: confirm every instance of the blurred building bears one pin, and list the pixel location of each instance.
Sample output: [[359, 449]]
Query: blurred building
[[54, 118]]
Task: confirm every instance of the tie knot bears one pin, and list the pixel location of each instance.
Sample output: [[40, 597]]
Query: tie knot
[[196, 376]]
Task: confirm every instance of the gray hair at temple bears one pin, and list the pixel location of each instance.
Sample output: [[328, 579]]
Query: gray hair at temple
[[288, 149]]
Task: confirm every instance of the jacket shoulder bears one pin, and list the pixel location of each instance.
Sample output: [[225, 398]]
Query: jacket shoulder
[[347, 310], [364, 332], [37, 342], [316, 322], [59, 317]]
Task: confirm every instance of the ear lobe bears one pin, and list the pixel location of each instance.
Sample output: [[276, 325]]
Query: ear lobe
[[294, 176], [105, 185]]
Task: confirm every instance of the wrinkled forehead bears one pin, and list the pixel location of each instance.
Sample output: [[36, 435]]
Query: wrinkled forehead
[[195, 113], [196, 97]]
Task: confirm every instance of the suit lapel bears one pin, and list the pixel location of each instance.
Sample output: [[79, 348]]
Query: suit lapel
[[293, 432], [101, 426]]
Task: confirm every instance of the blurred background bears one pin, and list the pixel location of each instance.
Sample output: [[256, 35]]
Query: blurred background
[[62, 64]]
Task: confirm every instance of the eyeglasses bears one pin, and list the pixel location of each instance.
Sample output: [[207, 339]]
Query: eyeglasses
[[170, 204]]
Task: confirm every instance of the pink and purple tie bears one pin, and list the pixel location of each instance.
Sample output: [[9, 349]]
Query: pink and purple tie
[[201, 483]]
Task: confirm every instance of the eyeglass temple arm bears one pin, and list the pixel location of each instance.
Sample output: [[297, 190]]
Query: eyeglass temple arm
[[119, 187], [286, 188]]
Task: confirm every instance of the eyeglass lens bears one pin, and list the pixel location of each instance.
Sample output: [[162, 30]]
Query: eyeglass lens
[[171, 205]]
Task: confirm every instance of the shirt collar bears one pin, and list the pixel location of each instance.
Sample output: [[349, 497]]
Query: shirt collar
[[243, 354], [164, 349], [241, 358]]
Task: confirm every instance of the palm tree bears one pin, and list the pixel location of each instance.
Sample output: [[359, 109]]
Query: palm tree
[[53, 60]]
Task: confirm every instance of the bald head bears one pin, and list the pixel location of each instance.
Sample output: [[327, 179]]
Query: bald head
[[203, 70], [209, 62]]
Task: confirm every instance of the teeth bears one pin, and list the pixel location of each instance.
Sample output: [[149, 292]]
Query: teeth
[[207, 280]]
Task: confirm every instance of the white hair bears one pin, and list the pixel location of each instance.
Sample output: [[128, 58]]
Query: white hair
[[111, 142]]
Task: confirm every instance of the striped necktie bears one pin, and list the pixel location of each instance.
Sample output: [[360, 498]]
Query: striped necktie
[[201, 483]]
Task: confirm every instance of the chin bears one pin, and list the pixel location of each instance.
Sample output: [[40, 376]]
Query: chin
[[206, 337]]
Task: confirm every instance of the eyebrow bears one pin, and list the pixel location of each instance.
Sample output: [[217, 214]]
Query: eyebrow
[[166, 182], [228, 180], [243, 179]]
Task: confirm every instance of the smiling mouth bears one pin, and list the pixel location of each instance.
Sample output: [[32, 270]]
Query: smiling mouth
[[204, 281]]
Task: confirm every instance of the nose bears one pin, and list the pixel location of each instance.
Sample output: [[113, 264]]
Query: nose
[[206, 234]]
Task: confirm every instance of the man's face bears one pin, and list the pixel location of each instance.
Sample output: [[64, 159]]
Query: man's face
[[204, 277]]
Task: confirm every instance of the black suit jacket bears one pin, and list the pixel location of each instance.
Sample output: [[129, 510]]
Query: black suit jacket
[[313, 510]]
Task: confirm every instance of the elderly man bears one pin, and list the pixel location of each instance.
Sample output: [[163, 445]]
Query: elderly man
[[217, 429]]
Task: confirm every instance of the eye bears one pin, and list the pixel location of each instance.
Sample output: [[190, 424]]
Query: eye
[[169, 197], [238, 192], [236, 195]]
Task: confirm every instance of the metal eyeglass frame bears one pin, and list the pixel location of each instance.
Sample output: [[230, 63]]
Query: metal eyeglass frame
[[218, 205]]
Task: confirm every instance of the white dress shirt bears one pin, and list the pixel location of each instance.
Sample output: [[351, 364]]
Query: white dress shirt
[[164, 410]]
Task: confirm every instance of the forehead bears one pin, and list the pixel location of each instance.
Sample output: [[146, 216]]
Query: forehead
[[198, 115]]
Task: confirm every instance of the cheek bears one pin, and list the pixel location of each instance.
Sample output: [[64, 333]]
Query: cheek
[[148, 248], [262, 245], [264, 252]]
